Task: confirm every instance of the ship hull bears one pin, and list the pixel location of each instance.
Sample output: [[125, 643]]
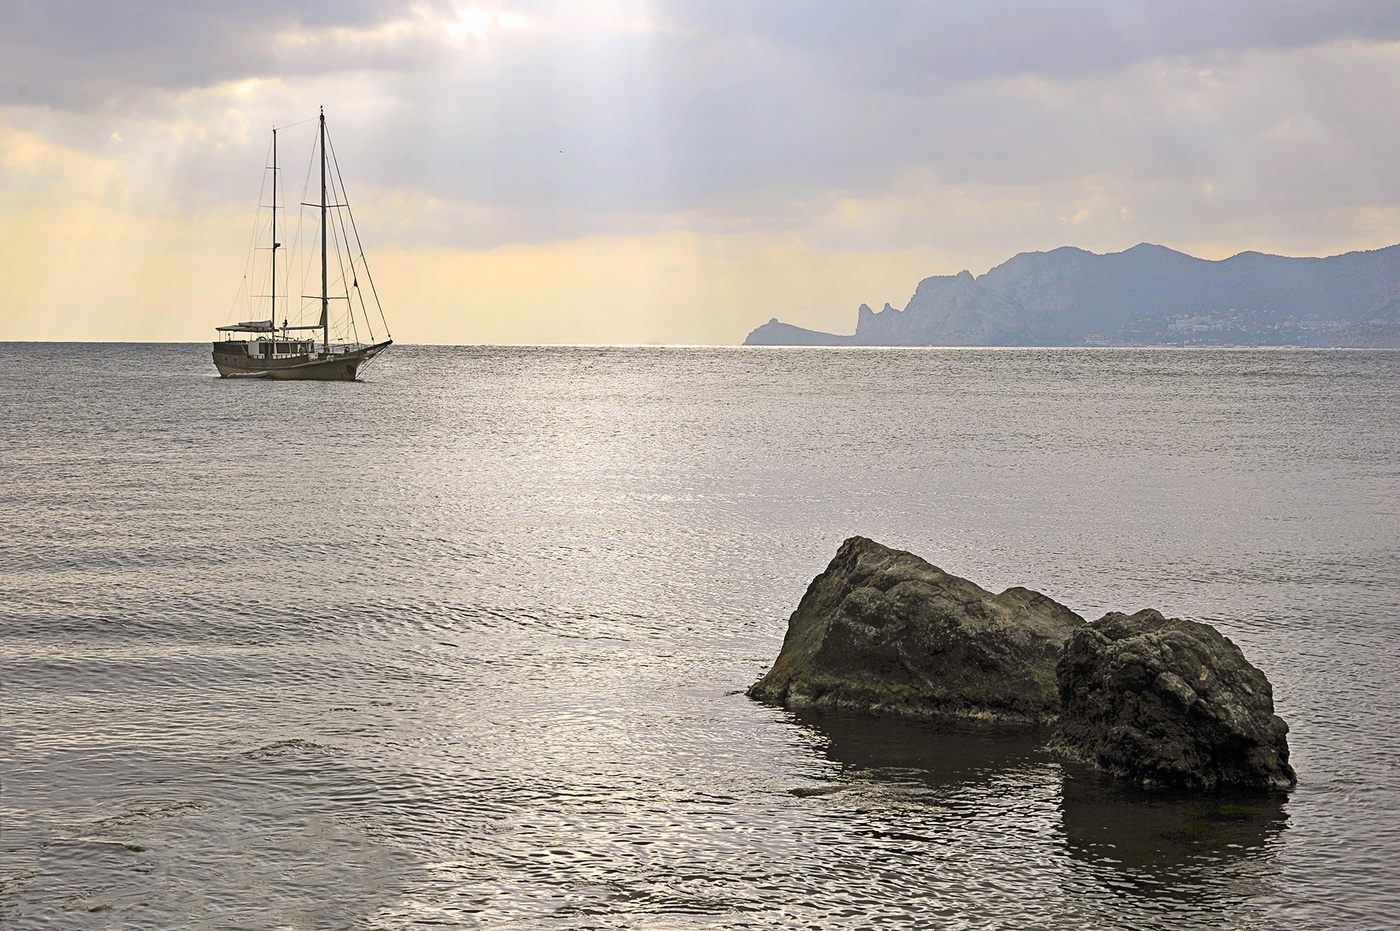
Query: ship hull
[[233, 361]]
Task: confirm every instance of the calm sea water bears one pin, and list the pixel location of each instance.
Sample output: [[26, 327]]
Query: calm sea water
[[464, 644]]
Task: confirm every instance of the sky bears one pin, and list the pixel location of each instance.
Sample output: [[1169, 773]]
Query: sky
[[672, 172]]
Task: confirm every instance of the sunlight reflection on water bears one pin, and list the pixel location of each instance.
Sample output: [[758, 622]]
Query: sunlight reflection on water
[[465, 643]]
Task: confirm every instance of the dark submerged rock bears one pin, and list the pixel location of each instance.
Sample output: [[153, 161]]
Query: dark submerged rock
[[1168, 702], [882, 630]]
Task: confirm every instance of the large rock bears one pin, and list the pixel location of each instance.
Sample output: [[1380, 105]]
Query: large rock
[[1168, 702], [882, 630]]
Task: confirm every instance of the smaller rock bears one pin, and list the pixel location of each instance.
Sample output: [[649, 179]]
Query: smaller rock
[[1164, 701]]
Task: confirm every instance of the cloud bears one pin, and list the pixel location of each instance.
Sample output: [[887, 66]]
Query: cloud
[[95, 55], [899, 43], [569, 123], [964, 132]]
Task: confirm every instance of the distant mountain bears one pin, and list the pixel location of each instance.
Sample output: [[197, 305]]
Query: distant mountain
[[1146, 295], [956, 310], [1379, 328], [774, 333]]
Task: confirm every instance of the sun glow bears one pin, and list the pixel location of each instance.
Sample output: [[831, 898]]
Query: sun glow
[[477, 23]]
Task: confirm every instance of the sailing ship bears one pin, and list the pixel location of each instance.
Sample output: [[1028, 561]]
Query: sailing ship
[[261, 348]]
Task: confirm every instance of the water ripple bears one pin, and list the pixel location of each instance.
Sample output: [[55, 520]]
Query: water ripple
[[465, 644]]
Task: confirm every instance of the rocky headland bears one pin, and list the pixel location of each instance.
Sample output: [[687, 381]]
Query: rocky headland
[[1146, 295], [1154, 700]]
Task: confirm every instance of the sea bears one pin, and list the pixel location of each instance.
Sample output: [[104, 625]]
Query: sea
[[464, 644]]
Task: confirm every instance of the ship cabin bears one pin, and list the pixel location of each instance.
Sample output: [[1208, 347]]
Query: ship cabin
[[267, 347]]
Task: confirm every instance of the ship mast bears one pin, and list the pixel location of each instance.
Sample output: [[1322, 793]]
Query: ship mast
[[325, 294], [272, 320]]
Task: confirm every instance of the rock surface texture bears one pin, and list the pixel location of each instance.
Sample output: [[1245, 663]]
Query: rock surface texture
[[883, 630], [1168, 702]]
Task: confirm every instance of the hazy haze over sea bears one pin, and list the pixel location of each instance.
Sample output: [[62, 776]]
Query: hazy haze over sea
[[464, 643]]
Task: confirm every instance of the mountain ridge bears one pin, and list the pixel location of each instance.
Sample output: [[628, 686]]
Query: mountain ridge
[[1148, 294]]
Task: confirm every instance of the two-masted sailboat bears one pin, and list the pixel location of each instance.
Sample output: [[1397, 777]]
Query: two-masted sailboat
[[262, 348]]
